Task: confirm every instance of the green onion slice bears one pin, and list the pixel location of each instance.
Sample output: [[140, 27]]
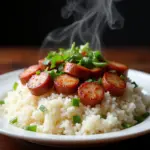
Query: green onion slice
[[100, 64], [43, 108], [31, 128], [38, 72], [2, 102], [126, 125], [135, 85], [14, 120], [76, 119], [15, 86], [75, 102]]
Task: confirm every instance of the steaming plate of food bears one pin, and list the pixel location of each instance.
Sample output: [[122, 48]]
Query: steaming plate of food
[[75, 96]]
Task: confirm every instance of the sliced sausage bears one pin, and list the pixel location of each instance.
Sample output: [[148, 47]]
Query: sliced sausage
[[42, 66], [114, 84], [90, 93], [117, 66], [77, 71], [66, 84], [27, 73], [97, 72], [40, 84]]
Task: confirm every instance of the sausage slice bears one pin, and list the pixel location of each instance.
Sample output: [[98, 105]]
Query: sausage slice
[[117, 66], [66, 84], [96, 72], [40, 84], [114, 84], [77, 71], [90, 93], [42, 66], [27, 73]]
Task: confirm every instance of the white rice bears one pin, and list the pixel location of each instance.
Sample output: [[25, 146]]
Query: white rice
[[58, 117]]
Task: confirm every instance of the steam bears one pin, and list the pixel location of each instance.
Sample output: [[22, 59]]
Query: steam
[[91, 16]]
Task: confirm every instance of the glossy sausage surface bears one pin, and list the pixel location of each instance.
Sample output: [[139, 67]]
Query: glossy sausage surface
[[40, 84], [77, 70], [66, 84], [27, 73], [90, 93], [114, 84]]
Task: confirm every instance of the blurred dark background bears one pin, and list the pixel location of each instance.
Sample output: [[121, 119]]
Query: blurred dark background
[[26, 23]]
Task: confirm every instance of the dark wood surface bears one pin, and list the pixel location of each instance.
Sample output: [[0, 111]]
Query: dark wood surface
[[17, 58]]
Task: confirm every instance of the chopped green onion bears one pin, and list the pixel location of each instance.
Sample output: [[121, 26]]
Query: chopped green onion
[[31, 128], [43, 108], [90, 80], [76, 119], [75, 101], [13, 121], [100, 64], [145, 115], [140, 119], [86, 61], [15, 86], [126, 125], [55, 59], [122, 77], [97, 54], [38, 72], [135, 85], [99, 81], [2, 102], [60, 67], [53, 74], [103, 116]]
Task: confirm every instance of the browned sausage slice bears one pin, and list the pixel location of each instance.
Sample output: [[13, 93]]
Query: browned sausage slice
[[90, 93], [117, 66], [114, 84], [96, 72], [27, 73], [40, 84], [42, 66], [66, 84], [77, 71]]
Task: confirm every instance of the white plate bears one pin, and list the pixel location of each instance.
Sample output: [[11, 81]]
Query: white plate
[[6, 82]]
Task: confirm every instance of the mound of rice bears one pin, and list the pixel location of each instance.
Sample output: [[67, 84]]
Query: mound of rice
[[105, 117]]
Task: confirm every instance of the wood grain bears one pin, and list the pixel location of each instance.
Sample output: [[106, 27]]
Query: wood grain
[[17, 58]]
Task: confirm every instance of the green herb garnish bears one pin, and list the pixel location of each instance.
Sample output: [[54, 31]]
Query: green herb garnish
[[90, 80], [15, 86], [2, 102], [31, 128], [122, 77], [54, 73], [76, 119], [135, 85], [99, 81], [43, 108], [141, 118], [38, 72], [100, 64], [75, 101], [13, 121], [126, 125]]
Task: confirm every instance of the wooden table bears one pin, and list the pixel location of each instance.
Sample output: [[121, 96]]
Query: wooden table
[[16, 58]]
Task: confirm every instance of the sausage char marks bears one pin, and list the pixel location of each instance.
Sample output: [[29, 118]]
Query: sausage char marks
[[66, 84], [90, 93], [114, 84], [40, 84], [27, 73], [77, 70]]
